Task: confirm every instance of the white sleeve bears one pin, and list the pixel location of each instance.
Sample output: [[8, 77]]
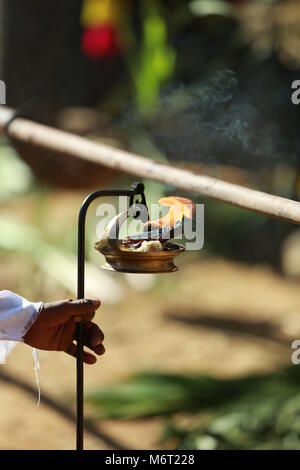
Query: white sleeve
[[17, 315]]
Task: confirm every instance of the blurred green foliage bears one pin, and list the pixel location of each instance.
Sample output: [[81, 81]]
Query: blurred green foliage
[[254, 412], [155, 64], [15, 176]]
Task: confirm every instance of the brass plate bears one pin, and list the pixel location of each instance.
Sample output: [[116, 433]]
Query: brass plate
[[143, 263]]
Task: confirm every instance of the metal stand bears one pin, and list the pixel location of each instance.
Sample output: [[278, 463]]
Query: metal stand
[[136, 190]]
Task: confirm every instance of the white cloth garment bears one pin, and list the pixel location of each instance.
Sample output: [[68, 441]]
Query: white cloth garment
[[17, 315]]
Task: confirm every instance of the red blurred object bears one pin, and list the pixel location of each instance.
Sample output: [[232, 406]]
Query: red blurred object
[[100, 41]]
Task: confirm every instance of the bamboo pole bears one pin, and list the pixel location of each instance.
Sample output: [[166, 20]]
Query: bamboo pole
[[78, 147]]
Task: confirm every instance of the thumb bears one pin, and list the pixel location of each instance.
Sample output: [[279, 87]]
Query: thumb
[[82, 307], [56, 313]]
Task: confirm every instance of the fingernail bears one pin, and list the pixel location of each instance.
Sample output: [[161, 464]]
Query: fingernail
[[94, 302]]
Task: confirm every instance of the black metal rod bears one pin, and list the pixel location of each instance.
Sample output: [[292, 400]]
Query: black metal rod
[[136, 189]]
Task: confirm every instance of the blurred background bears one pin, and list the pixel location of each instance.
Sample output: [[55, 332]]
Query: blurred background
[[200, 359]]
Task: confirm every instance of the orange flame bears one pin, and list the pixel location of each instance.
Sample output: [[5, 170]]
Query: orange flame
[[179, 207]]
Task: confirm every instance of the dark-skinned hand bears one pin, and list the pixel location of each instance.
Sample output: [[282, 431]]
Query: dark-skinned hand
[[55, 328]]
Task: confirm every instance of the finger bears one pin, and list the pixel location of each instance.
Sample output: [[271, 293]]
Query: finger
[[99, 350], [88, 358], [84, 319], [56, 313], [81, 307], [93, 335]]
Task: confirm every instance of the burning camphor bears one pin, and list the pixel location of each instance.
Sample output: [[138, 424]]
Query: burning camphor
[[151, 250]]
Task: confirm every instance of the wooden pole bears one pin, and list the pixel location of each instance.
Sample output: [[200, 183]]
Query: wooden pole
[[78, 147]]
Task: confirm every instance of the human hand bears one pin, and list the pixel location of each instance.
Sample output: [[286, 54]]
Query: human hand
[[55, 328]]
